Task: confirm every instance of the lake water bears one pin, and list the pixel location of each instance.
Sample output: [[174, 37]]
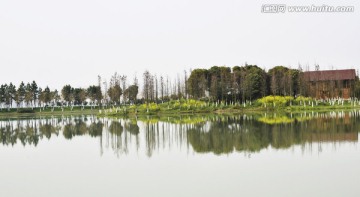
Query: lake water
[[313, 154]]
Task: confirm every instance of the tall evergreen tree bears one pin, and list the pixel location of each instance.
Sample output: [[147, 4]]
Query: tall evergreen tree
[[11, 93], [28, 94], [20, 97], [34, 90]]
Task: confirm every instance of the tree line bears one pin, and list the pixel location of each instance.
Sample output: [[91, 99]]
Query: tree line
[[219, 83], [250, 82], [31, 95]]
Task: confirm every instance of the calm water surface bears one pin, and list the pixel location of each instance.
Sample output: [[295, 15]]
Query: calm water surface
[[244, 155]]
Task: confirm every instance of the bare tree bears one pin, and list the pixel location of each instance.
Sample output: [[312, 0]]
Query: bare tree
[[115, 90], [167, 86], [162, 88], [178, 87], [123, 80], [156, 88], [146, 88], [185, 85]]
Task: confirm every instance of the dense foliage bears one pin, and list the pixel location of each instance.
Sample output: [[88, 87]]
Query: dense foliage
[[249, 82]]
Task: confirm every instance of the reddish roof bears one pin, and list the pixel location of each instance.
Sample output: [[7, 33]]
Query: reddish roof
[[330, 75]]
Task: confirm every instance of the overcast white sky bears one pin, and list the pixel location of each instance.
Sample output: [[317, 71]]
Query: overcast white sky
[[73, 41]]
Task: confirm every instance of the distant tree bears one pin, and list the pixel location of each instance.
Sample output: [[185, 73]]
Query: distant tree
[[214, 82], [185, 84], [151, 88], [123, 81], [34, 90], [11, 93], [225, 83], [253, 82], [177, 88], [20, 94], [94, 93], [162, 86], [41, 97], [147, 86], [115, 90], [55, 97], [79, 96], [28, 94], [47, 95], [236, 81], [114, 93], [131, 93], [197, 83], [214, 87], [2, 96], [294, 85], [167, 93], [279, 80], [6, 96], [156, 88], [67, 93], [357, 88], [106, 99]]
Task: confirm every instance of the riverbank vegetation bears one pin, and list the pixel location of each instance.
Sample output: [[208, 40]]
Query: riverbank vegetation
[[218, 89], [265, 104]]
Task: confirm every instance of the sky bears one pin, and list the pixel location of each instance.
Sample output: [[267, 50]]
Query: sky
[[74, 41]]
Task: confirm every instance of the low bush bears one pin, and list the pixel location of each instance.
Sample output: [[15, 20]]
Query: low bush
[[25, 110]]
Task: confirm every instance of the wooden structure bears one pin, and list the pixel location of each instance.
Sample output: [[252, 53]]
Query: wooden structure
[[330, 83]]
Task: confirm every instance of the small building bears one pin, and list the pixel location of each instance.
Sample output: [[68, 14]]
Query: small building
[[330, 83]]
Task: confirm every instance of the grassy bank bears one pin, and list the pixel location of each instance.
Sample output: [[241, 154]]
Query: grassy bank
[[277, 105], [25, 112], [271, 104]]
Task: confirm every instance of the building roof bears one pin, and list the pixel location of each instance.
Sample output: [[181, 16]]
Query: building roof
[[330, 75]]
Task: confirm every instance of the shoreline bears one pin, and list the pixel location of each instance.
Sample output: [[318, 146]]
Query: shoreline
[[169, 112]]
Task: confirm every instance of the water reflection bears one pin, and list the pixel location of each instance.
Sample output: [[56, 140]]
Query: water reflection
[[203, 134]]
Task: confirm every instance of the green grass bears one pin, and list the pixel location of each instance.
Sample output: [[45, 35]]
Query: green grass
[[229, 110], [275, 104], [22, 112]]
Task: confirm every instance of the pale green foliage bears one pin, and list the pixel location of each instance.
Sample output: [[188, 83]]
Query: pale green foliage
[[152, 107], [303, 99], [274, 101], [190, 104]]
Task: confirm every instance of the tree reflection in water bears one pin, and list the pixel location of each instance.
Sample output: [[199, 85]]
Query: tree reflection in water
[[215, 134]]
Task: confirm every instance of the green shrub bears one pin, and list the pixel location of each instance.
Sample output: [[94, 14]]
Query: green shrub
[[301, 100], [25, 110], [275, 101]]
